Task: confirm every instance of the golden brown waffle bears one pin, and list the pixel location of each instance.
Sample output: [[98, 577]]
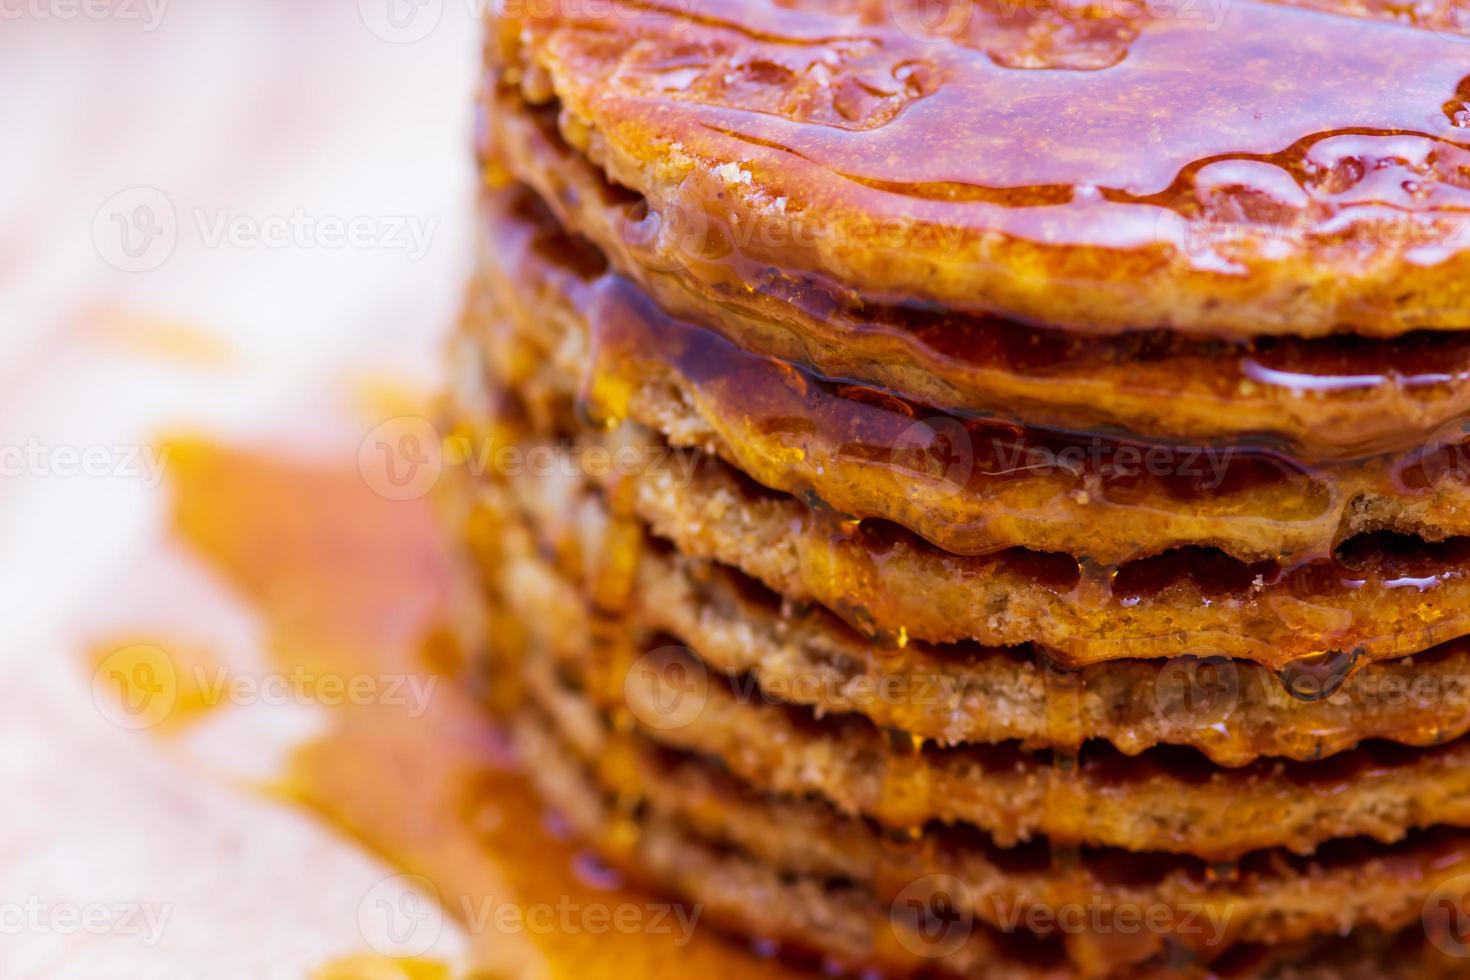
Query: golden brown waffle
[[1156, 801], [1331, 397], [1380, 598], [858, 152], [966, 485], [1269, 898], [1233, 712], [1017, 447], [723, 850]]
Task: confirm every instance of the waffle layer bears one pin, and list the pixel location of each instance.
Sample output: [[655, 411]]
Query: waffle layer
[[826, 898], [914, 442], [1158, 801], [1378, 598], [1336, 397], [1270, 898], [850, 154], [966, 485]]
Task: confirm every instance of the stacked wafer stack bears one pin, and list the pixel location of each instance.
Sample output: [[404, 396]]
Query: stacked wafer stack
[[978, 489]]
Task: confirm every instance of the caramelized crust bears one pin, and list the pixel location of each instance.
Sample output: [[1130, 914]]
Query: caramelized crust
[[1092, 172], [1234, 712], [1159, 801], [967, 485], [1378, 598], [1155, 802], [1388, 600], [832, 919], [853, 926], [1333, 397], [1270, 898]]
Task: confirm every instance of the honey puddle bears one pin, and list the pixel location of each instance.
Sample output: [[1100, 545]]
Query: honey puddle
[[349, 584]]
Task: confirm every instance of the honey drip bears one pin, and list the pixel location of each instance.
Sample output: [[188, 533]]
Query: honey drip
[[970, 484], [907, 786], [1065, 690], [1318, 678]]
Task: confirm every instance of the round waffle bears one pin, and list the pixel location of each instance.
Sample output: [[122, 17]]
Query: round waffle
[[966, 485], [1269, 898], [848, 155], [1018, 447], [1339, 396], [1158, 801], [791, 872]]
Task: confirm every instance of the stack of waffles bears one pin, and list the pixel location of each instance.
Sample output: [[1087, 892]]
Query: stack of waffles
[[978, 488]]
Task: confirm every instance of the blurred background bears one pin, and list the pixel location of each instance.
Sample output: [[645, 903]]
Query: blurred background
[[232, 239]]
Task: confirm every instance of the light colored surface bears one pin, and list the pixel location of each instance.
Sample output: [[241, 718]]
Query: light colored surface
[[254, 112]]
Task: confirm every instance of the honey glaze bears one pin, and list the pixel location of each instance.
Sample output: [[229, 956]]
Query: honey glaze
[[1337, 397], [349, 583], [1230, 143], [956, 75], [972, 485]]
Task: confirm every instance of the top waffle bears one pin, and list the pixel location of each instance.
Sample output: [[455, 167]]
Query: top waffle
[[1232, 170]]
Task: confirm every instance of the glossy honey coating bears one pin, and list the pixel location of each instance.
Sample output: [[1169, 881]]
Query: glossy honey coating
[[1232, 712], [1265, 168], [1377, 598], [1351, 882], [1325, 398], [969, 485]]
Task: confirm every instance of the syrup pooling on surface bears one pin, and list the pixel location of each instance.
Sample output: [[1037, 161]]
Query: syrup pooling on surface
[[1230, 141], [348, 583], [1258, 79], [865, 571]]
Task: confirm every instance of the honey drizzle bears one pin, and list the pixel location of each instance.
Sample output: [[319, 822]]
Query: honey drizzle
[[372, 592], [970, 484], [1341, 397]]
